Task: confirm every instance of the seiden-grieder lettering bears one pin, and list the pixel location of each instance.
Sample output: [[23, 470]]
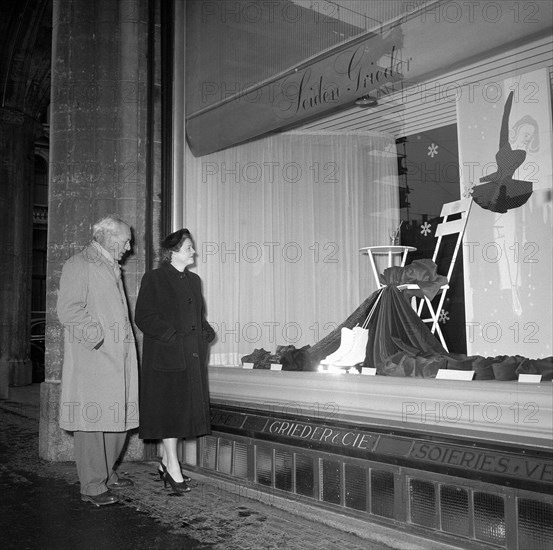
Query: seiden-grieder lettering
[[323, 434]]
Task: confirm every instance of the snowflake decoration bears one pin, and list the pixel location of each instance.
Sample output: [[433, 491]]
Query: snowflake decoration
[[468, 189], [425, 228], [432, 150], [444, 316]]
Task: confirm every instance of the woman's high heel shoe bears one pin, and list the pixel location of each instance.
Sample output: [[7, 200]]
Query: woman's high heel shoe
[[186, 478], [178, 487], [162, 469]]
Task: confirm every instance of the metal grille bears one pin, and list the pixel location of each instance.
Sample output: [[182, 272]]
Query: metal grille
[[283, 470], [382, 493], [264, 466], [535, 525], [240, 460], [454, 506], [356, 487], [489, 518], [209, 452], [304, 476], [224, 457], [330, 481], [428, 500], [422, 502]]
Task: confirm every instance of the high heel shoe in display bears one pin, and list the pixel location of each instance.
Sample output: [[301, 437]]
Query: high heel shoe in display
[[178, 487]]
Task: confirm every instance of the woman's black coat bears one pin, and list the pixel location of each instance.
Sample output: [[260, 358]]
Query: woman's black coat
[[174, 395]]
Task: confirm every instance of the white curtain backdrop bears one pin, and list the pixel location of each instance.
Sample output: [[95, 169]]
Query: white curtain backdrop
[[278, 224]]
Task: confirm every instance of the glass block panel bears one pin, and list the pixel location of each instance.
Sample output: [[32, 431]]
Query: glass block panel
[[264, 466], [283, 470], [209, 452], [454, 506], [224, 459], [240, 460], [535, 525], [304, 476], [489, 518], [356, 487], [329, 481], [422, 501], [190, 450], [382, 493]]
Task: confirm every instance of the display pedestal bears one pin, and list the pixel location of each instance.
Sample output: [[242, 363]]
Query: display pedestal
[[392, 254]]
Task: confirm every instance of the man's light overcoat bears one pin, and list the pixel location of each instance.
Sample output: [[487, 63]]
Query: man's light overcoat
[[99, 390]]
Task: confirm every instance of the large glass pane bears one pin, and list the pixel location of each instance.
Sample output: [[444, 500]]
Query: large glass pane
[[382, 493], [535, 525], [304, 475], [224, 462], [209, 452], [489, 518], [264, 466], [454, 506], [241, 460], [283, 470], [422, 503], [356, 487], [330, 481]]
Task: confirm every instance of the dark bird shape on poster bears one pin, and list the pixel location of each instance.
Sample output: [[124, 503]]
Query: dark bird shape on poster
[[500, 192]]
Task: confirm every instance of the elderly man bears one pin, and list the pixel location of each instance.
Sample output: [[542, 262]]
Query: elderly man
[[99, 386]]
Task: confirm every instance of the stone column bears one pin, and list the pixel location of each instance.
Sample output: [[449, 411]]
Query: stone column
[[98, 150], [17, 137]]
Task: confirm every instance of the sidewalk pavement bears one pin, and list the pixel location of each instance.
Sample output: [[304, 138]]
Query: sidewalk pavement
[[40, 507]]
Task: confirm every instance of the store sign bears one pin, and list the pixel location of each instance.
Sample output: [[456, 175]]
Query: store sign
[[354, 439], [483, 461], [410, 450], [322, 85], [405, 53]]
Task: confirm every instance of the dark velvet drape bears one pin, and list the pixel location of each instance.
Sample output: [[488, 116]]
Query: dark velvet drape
[[401, 344]]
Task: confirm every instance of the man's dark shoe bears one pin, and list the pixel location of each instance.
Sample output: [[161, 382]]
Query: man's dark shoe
[[121, 482], [102, 499]]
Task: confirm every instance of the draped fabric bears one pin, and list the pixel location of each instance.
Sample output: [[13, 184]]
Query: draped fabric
[[423, 272], [401, 344], [278, 224], [395, 329]]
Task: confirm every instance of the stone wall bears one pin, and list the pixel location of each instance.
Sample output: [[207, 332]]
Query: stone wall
[[99, 161]]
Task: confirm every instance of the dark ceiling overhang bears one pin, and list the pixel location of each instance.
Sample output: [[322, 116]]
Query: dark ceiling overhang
[[25, 56], [426, 42]]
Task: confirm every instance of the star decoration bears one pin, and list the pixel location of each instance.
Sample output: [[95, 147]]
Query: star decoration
[[467, 190], [432, 150], [425, 228]]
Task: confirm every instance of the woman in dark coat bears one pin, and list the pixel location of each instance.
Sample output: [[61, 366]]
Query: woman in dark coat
[[174, 398]]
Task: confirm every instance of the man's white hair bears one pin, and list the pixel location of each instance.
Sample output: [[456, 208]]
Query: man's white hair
[[108, 225]]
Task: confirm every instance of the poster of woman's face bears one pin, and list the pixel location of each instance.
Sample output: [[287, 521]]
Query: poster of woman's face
[[505, 143], [524, 134]]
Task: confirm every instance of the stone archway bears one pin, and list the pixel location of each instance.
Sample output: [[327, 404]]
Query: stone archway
[[25, 51]]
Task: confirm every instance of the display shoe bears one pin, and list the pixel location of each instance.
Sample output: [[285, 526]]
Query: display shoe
[[358, 351], [346, 343]]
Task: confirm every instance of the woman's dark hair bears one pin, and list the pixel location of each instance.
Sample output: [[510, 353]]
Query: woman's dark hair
[[172, 243]]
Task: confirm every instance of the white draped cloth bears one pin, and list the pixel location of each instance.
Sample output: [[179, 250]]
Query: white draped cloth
[[278, 224]]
